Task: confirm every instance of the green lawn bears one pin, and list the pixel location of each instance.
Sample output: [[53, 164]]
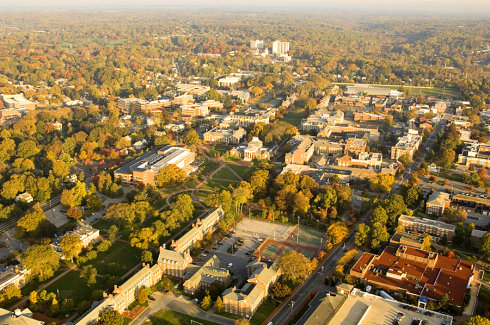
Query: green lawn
[[209, 166], [214, 184], [71, 286], [170, 317], [34, 284], [225, 173], [118, 260], [293, 117], [483, 302], [264, 310], [243, 171]]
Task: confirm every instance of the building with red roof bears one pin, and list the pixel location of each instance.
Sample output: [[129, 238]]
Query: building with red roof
[[415, 272]]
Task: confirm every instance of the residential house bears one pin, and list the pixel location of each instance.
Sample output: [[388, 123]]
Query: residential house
[[437, 203]]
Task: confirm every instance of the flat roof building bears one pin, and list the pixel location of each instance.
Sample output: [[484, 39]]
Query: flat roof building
[[432, 227], [17, 101]]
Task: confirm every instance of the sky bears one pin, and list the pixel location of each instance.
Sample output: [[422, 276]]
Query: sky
[[462, 7]]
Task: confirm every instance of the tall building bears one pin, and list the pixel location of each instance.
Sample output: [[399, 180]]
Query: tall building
[[256, 44], [280, 48]]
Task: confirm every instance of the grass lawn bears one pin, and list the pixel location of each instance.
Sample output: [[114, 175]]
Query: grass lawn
[[34, 284], [103, 225], [170, 317], [228, 315], [213, 185], [264, 310], [293, 117], [225, 173], [486, 277], [191, 183], [71, 286], [483, 301], [450, 175], [119, 259], [243, 171], [209, 166]]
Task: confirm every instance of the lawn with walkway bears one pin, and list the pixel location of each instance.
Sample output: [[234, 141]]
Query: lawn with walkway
[[72, 286], [167, 317], [264, 311], [117, 260], [225, 173], [243, 171]]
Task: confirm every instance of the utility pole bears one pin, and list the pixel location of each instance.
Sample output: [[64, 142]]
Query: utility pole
[[297, 233]]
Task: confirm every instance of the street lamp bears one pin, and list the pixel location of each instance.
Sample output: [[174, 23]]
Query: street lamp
[[297, 234]]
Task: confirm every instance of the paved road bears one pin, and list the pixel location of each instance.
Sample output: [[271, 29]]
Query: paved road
[[180, 304]]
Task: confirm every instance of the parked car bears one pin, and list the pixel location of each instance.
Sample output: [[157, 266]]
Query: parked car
[[229, 265]]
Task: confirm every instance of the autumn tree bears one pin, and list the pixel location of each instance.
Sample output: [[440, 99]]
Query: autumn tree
[[295, 266], [191, 138], [219, 306], [32, 220], [362, 234], [71, 245], [337, 232], [382, 183], [379, 235], [170, 175], [280, 290], [110, 317], [74, 213], [42, 260], [89, 273], [206, 302], [427, 243], [143, 293]]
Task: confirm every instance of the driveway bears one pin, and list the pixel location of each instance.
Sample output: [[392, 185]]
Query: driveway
[[180, 304]]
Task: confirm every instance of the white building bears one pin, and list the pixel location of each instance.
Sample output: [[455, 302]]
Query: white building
[[280, 48]]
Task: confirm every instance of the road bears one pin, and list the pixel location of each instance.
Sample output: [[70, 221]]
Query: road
[[315, 281]]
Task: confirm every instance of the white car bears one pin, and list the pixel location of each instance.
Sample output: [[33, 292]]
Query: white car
[[229, 265]]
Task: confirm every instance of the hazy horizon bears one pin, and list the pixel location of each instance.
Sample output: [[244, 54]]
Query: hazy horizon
[[473, 7]]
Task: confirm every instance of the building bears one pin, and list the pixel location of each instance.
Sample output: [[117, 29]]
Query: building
[[371, 160], [352, 306], [24, 197], [321, 118], [228, 82], [434, 228], [245, 301], [198, 231], [210, 273], [145, 168], [17, 101], [355, 146], [9, 116], [18, 317], [476, 236], [251, 116], [414, 240], [87, 234], [303, 149], [437, 203], [193, 89], [372, 91], [173, 263], [280, 48], [183, 100], [13, 275], [194, 110], [224, 134], [124, 294], [475, 154], [471, 203], [365, 116], [406, 145], [416, 272], [254, 150], [256, 44]]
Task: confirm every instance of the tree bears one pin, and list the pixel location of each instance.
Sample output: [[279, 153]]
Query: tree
[[362, 234], [242, 321], [32, 220], [219, 306], [382, 183], [482, 173], [71, 245], [280, 290], [33, 298], [295, 266], [93, 202], [206, 302], [143, 238], [110, 317], [170, 175], [258, 182], [427, 243], [484, 246], [112, 233], [476, 320], [42, 260], [379, 235], [405, 160], [337, 232], [146, 257], [143, 293], [301, 203], [379, 215], [89, 273], [74, 213], [27, 149], [67, 198], [191, 138]]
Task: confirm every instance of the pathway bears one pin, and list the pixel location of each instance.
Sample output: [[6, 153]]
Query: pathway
[[179, 304]]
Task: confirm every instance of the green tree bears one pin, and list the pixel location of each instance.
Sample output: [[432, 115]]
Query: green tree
[[379, 235], [191, 138], [362, 234], [94, 203], [484, 246], [379, 215], [110, 317], [71, 245], [42, 260], [32, 220], [146, 257], [89, 273], [27, 149]]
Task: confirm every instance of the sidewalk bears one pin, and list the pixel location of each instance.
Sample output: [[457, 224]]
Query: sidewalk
[[179, 304]]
